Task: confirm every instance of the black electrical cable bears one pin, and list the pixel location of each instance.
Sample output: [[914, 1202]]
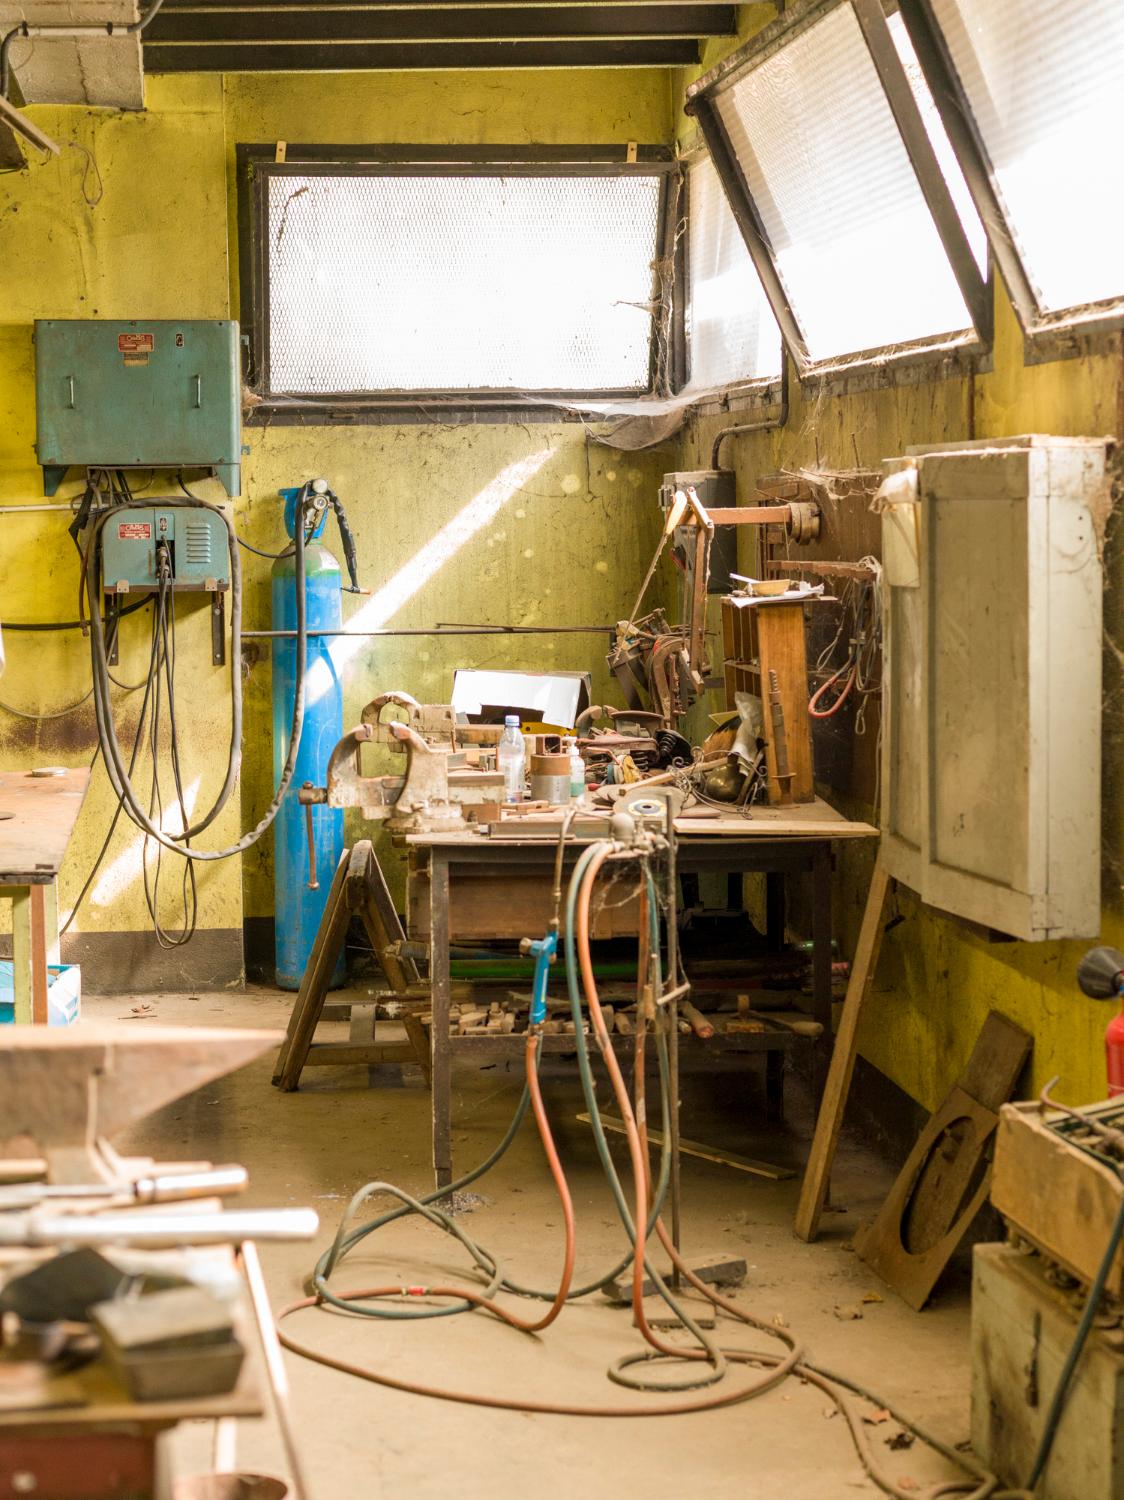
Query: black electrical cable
[[111, 750], [153, 664], [165, 611], [126, 609], [249, 546]]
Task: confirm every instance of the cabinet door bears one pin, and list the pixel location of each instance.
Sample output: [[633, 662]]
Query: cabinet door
[[991, 803]]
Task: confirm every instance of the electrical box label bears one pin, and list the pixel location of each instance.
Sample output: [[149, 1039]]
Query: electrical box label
[[135, 343], [134, 531]]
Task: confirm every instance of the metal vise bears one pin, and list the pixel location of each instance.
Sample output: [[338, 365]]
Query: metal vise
[[430, 798]]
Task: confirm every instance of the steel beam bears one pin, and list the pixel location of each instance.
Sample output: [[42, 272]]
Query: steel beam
[[302, 57], [498, 23]]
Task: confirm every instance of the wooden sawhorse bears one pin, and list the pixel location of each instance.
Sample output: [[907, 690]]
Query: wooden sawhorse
[[358, 889]]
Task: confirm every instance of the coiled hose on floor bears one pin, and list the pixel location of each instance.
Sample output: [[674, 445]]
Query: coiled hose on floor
[[639, 1220]]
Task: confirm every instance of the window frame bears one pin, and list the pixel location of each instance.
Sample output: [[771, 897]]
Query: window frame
[[1040, 325], [735, 390], [257, 164], [976, 289]]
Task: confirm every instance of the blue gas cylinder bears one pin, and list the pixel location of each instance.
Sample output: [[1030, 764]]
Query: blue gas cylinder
[[298, 909]]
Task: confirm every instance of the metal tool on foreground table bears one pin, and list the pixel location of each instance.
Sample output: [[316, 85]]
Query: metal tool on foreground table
[[149, 1328]]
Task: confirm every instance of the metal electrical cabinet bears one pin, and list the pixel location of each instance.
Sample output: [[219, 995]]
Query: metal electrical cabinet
[[195, 538], [991, 715], [157, 394]]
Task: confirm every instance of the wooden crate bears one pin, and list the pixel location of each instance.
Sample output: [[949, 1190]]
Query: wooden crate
[[1022, 1327], [1057, 1196]]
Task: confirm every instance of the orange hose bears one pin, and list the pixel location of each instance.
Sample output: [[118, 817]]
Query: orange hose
[[641, 1164], [560, 1183]]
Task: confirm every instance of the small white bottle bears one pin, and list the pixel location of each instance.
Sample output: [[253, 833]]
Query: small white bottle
[[511, 756], [577, 769]]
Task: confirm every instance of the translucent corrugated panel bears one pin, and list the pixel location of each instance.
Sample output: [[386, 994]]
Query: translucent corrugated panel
[[1045, 83], [855, 244], [406, 283], [731, 332]]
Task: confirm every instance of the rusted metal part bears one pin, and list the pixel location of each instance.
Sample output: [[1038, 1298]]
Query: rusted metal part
[[780, 739], [428, 799]]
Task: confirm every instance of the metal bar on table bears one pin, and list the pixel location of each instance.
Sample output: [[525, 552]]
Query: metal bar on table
[[440, 1058]]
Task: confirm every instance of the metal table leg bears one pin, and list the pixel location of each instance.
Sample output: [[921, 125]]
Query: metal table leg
[[439, 1047], [673, 1040], [821, 962]]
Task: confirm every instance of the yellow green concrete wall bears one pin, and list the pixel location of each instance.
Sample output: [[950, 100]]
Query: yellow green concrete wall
[[937, 978], [564, 528]]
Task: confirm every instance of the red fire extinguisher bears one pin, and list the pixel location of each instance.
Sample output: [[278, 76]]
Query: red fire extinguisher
[[1101, 976]]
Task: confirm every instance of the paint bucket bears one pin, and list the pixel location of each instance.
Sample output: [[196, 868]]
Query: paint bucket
[[550, 778]]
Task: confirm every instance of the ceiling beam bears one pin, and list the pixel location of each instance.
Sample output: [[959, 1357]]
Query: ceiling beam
[[171, 6], [509, 23], [301, 57]]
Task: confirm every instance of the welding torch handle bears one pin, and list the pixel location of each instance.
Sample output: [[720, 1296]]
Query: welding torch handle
[[347, 537]]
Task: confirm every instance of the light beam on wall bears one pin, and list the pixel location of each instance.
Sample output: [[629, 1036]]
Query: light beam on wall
[[424, 565]]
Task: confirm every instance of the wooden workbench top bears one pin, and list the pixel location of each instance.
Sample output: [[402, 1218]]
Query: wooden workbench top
[[814, 820], [43, 811]]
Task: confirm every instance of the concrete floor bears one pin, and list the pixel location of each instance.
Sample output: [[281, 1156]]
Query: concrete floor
[[317, 1146]]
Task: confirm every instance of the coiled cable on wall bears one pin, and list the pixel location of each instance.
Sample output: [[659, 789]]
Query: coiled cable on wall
[[119, 774]]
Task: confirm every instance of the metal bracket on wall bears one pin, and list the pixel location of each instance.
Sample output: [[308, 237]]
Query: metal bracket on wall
[[218, 629]]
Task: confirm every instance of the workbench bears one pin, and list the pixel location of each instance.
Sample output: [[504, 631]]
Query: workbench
[[775, 841], [37, 818]]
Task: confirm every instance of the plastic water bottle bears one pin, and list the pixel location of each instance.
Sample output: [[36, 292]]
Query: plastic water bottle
[[577, 770], [511, 757]]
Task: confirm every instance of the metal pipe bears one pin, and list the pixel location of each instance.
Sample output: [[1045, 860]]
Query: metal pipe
[[259, 635], [767, 424], [158, 1231], [160, 1187]]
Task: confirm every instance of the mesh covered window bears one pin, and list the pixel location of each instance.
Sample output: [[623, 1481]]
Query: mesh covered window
[[856, 248], [1045, 84], [391, 282], [731, 332]]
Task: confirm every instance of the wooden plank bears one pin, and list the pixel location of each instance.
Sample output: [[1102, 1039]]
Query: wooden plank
[[368, 896], [945, 1179], [781, 649], [22, 985], [43, 812], [829, 1122], [38, 944], [703, 1152], [314, 986]]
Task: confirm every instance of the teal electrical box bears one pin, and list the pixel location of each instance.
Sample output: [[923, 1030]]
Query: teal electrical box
[[196, 540], [159, 394]]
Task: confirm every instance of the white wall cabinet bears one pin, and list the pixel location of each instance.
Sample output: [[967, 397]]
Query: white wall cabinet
[[991, 753]]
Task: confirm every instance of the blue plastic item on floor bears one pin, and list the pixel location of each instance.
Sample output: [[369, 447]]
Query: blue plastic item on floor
[[64, 993]]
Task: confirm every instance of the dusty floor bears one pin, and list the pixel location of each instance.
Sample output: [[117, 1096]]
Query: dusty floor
[[317, 1146]]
